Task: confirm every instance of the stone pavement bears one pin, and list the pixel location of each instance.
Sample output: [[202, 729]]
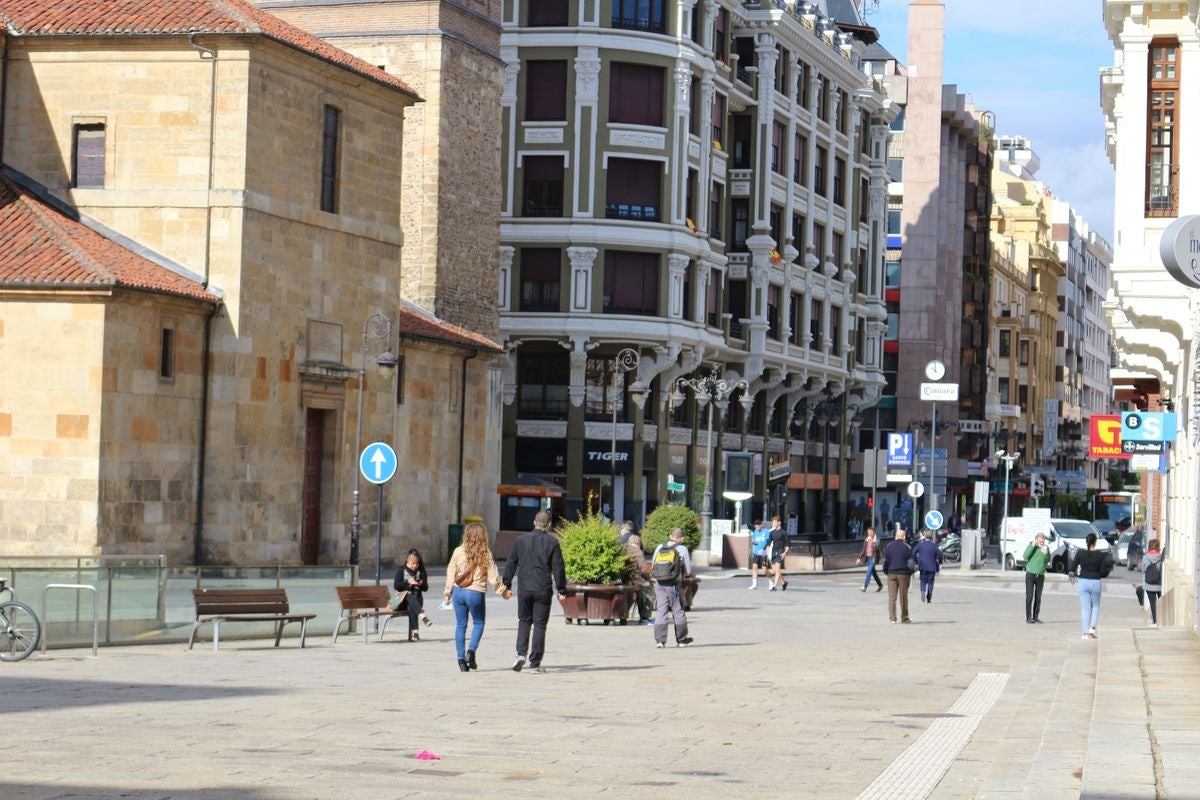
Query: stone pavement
[[808, 693]]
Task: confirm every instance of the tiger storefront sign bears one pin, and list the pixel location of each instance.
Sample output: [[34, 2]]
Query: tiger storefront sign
[[1104, 439]]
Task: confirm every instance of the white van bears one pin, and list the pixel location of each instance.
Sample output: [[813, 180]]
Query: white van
[[1018, 540], [1073, 534]]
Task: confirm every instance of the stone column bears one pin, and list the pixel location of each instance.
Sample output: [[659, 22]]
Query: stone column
[[587, 99], [504, 301], [677, 265], [704, 126], [582, 261], [700, 306], [767, 56], [508, 113], [683, 91]]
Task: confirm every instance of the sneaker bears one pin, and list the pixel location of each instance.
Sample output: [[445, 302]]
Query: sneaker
[[893, 622], [1153, 624], [536, 669], [1085, 637], [863, 589], [1092, 633], [1028, 622], [772, 587], [879, 588], [519, 664], [754, 586], [1038, 621], [684, 642], [660, 645], [784, 589]]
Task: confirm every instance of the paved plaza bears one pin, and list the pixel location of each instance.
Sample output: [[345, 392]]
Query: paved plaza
[[807, 693]]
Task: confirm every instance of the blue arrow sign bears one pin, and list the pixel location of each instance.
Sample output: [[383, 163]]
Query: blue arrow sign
[[933, 520], [378, 462], [899, 450]]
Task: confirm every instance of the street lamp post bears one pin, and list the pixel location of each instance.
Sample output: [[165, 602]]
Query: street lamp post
[[376, 326], [1008, 459], [711, 387], [626, 361], [828, 413]]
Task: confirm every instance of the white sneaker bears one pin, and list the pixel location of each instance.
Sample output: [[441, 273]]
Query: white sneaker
[[1085, 637], [754, 586], [1153, 624], [1091, 633]]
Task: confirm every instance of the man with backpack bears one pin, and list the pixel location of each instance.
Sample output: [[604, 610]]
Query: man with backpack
[[669, 565]]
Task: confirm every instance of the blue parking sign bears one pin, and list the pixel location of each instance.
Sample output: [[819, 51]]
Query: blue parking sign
[[899, 450]]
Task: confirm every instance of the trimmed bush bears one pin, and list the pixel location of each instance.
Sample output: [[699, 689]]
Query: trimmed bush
[[665, 519], [591, 552]]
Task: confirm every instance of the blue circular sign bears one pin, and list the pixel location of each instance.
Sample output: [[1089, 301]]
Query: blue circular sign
[[934, 520], [378, 462]]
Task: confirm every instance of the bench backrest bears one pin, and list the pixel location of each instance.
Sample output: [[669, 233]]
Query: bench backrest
[[240, 601], [356, 597]]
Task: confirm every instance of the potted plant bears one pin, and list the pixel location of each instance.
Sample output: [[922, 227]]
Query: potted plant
[[659, 525], [597, 567]]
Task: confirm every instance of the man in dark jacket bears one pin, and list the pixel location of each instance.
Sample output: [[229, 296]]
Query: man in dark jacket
[[895, 566], [929, 563], [536, 561]]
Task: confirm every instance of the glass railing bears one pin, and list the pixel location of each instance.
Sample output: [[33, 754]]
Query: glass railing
[[144, 601]]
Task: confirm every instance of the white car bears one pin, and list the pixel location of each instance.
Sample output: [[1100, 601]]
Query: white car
[[1073, 533]]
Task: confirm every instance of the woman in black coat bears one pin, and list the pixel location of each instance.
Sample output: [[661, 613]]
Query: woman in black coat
[[411, 577]]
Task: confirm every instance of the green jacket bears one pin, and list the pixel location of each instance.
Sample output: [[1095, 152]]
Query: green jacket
[[1035, 560]]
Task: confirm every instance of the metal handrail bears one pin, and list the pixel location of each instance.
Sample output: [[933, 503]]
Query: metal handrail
[[95, 613]]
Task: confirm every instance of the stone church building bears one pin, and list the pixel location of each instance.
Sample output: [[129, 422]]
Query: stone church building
[[203, 244]]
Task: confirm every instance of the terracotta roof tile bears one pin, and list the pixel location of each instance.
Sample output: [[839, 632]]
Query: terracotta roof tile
[[175, 17], [42, 247], [417, 323]]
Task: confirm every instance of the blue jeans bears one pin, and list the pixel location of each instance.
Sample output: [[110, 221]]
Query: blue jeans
[[1089, 602], [871, 573], [468, 601]]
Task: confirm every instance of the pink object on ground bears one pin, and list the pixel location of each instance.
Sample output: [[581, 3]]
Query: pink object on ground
[[428, 755]]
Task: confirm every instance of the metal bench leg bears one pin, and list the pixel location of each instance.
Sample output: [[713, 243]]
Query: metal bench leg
[[279, 631], [364, 627], [192, 638], [338, 627], [383, 628], [303, 630], [216, 634]]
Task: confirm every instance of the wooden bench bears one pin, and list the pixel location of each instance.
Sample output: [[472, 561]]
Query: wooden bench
[[363, 603], [244, 605]]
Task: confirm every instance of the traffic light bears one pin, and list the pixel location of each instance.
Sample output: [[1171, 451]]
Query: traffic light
[[1037, 487], [870, 501]]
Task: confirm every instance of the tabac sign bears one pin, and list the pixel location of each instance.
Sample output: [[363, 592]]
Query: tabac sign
[[1105, 437]]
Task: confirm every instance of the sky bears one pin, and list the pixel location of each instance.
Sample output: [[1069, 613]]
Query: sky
[[1035, 64]]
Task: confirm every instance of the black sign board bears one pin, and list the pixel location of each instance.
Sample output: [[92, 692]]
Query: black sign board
[[548, 456], [598, 457]]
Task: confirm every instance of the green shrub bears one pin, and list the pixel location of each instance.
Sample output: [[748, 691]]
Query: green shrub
[[591, 552], [665, 519]]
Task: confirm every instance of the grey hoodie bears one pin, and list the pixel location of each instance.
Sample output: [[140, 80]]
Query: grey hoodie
[[1148, 559]]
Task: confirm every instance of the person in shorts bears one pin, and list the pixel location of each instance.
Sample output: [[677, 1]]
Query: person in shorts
[[760, 537], [779, 550]]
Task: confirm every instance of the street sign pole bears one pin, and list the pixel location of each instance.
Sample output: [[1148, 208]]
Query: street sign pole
[[379, 536], [933, 495]]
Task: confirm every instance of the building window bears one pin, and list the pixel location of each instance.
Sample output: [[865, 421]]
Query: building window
[[777, 130], [842, 109], [694, 107], [800, 160], [543, 186], [1002, 389], [864, 133], [399, 380], [1023, 352], [547, 13], [604, 390], [839, 181], [798, 237], [823, 99], [893, 221], [742, 135], [895, 168], [720, 25], [835, 331], [330, 138], [88, 167], [737, 307], [545, 91], [1005, 346], [634, 189], [776, 222], [166, 354], [630, 283], [718, 121], [741, 224], [814, 324], [635, 94], [819, 170], [541, 278], [891, 369], [891, 274], [543, 381], [639, 15], [837, 240], [712, 301], [773, 294], [864, 199], [797, 318], [803, 90], [1162, 163], [714, 213], [819, 239], [898, 122]]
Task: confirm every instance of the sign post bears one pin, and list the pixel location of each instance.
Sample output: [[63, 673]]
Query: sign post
[[378, 464]]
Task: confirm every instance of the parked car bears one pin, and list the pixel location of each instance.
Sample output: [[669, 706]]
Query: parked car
[[1130, 548], [1073, 534]]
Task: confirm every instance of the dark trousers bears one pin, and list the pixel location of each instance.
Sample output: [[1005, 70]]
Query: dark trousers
[[1153, 597], [1033, 595], [532, 609], [416, 607], [927, 584]]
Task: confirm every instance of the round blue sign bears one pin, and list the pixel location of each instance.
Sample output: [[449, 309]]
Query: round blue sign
[[934, 520], [378, 462]]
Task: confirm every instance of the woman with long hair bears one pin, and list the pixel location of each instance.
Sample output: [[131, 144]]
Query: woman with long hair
[[411, 577], [1089, 565], [470, 571]]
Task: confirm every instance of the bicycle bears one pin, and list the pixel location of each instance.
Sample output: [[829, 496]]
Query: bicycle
[[20, 629]]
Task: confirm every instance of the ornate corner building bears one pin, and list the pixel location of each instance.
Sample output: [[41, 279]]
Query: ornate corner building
[[704, 183]]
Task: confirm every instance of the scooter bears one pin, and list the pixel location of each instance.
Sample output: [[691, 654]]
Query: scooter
[[951, 547]]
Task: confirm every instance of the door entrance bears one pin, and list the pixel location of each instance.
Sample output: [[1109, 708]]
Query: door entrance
[[314, 455]]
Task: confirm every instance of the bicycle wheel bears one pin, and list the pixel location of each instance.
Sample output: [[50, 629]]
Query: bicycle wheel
[[20, 631]]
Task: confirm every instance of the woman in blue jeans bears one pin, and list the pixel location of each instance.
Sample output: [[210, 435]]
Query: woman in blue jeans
[[1088, 565], [470, 571]]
